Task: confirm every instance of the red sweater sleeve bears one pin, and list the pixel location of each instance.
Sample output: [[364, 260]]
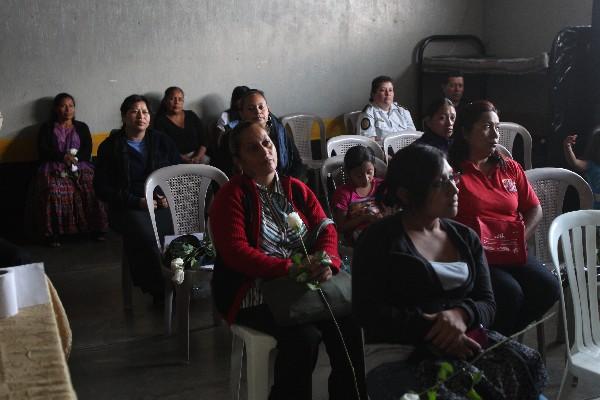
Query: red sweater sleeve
[[227, 221]]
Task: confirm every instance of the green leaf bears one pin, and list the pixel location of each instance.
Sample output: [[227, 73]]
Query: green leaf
[[297, 259], [473, 395], [431, 394], [313, 285], [445, 371], [476, 378]]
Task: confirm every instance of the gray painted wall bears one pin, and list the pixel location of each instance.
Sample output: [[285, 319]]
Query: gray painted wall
[[518, 28], [309, 56]]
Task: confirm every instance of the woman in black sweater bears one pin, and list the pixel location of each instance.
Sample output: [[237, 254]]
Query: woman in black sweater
[[421, 279], [125, 159]]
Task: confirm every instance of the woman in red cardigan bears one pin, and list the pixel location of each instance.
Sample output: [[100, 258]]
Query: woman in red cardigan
[[253, 242]]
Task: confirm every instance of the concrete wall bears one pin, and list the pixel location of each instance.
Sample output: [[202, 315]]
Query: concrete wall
[[309, 56], [514, 28], [517, 28]]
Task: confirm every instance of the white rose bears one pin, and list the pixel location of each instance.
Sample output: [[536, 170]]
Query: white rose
[[177, 263], [74, 168], [73, 152], [178, 276], [410, 396], [294, 221]]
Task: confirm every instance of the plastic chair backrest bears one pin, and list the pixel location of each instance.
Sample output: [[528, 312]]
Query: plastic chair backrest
[[550, 186], [300, 125], [577, 232], [503, 151], [508, 131], [351, 122], [341, 144], [335, 167], [185, 187], [393, 143]]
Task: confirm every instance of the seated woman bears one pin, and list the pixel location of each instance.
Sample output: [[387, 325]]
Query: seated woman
[[439, 124], [253, 243], [254, 108], [590, 164], [382, 116], [183, 126], [420, 278], [354, 205], [494, 192], [227, 121], [64, 199], [231, 117], [125, 159]]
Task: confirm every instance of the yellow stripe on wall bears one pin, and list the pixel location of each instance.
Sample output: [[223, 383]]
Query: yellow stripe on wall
[[23, 148]]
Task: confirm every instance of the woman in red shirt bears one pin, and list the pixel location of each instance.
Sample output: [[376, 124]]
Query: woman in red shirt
[[494, 193]]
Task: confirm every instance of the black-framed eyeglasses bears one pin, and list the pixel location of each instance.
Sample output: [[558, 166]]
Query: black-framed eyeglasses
[[447, 182]]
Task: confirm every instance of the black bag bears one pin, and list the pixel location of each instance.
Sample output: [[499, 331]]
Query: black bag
[[293, 303]]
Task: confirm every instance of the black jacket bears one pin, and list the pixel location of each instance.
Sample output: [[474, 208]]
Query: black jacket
[[47, 149], [393, 285], [121, 171]]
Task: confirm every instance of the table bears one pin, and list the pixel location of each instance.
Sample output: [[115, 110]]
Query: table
[[32, 360]]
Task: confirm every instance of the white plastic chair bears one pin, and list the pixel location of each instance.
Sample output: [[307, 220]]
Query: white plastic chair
[[300, 125], [393, 143], [258, 347], [341, 144], [577, 232], [351, 122], [185, 186], [550, 186], [503, 151], [508, 131]]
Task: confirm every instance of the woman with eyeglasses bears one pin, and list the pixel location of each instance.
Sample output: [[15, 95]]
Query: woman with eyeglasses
[[497, 201], [125, 159], [420, 278]]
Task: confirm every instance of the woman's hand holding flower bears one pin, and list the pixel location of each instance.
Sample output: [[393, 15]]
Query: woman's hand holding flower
[[447, 332]]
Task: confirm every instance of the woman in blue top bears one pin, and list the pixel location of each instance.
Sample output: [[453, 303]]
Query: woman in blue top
[[125, 160]]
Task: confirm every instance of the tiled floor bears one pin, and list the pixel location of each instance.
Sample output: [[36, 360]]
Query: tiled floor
[[116, 356]]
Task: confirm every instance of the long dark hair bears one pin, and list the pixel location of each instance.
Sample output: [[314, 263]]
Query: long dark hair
[[162, 108], [238, 92], [413, 169], [56, 102], [468, 116]]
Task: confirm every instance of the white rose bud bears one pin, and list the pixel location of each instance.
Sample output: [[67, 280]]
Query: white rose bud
[[74, 168], [178, 276], [410, 396], [177, 263], [294, 221], [73, 152]]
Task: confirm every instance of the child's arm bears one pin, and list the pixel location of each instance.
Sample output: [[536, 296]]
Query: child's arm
[[572, 160], [345, 224]]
